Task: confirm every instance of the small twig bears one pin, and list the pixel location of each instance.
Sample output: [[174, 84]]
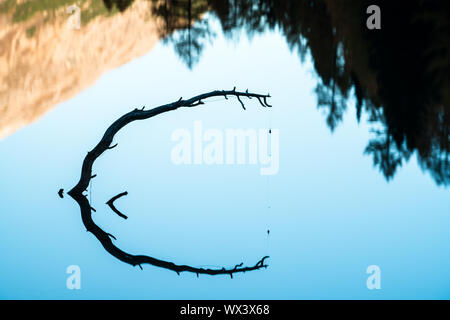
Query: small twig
[[110, 203], [259, 99], [109, 234], [242, 104], [265, 102]]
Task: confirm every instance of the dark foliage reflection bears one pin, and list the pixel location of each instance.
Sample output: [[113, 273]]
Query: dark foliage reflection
[[399, 75]]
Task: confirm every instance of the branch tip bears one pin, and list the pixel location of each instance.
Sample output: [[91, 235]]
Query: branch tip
[[265, 101], [109, 234], [242, 104]]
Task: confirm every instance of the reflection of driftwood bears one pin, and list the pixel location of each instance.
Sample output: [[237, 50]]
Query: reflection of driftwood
[[105, 144], [110, 203]]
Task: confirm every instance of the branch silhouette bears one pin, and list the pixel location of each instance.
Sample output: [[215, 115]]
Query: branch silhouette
[[105, 144]]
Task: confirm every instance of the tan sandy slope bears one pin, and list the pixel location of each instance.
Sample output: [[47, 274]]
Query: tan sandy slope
[[43, 63]]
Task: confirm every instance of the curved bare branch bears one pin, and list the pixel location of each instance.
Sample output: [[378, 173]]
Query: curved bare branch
[[105, 144]]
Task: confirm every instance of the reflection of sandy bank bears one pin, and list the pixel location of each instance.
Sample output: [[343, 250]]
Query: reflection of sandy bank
[[44, 63]]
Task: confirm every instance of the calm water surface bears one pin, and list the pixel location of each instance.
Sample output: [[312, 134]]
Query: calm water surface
[[331, 212]]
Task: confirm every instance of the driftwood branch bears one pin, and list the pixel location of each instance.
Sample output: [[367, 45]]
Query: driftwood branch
[[106, 144], [110, 203]]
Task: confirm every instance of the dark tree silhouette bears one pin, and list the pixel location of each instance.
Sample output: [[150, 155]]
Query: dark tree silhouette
[[183, 27], [399, 75], [386, 153], [106, 144], [122, 5]]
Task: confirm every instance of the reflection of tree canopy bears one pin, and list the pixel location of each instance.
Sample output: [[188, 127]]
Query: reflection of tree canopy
[[399, 75], [184, 27], [119, 4]]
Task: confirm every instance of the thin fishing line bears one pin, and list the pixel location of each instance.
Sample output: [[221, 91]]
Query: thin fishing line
[[268, 198]]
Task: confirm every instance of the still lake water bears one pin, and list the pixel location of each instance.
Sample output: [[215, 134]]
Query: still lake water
[[331, 214]]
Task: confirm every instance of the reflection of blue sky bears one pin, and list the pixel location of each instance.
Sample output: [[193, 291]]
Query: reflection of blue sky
[[331, 214]]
